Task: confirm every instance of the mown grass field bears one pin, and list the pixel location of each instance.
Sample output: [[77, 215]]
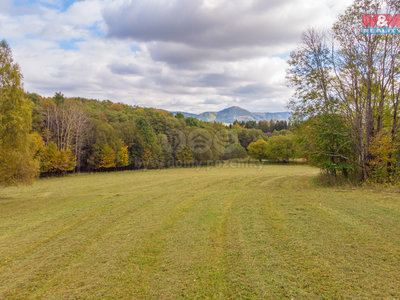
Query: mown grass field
[[234, 232]]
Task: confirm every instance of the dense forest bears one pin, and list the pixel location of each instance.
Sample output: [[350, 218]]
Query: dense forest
[[85, 135], [76, 134], [56, 135]]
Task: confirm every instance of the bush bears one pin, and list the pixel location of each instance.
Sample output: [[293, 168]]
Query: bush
[[280, 148], [258, 150], [234, 151], [326, 143]]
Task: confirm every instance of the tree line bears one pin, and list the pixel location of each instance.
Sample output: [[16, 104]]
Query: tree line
[[57, 135], [266, 126]]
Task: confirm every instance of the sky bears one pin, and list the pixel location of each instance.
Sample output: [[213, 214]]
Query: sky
[[178, 55]]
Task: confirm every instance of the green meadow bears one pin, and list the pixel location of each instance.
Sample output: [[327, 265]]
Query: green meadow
[[221, 232]]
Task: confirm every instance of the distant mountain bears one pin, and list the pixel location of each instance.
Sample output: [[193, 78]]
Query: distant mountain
[[231, 114]]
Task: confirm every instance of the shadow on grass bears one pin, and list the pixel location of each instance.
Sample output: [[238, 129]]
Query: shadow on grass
[[326, 179], [268, 162]]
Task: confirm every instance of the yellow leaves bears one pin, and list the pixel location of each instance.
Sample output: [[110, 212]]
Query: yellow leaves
[[123, 157], [257, 150], [381, 148], [17, 163], [37, 145], [382, 151], [147, 157], [66, 160], [185, 156], [57, 161], [117, 107], [107, 157], [236, 125]]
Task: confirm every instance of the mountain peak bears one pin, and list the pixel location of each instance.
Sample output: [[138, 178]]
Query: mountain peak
[[233, 113], [234, 108]]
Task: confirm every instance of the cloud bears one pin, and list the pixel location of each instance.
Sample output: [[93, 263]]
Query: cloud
[[216, 80], [197, 55], [228, 24], [184, 56], [217, 24], [224, 48]]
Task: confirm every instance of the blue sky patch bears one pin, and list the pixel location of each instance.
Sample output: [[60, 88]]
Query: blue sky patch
[[62, 5], [135, 48], [96, 29], [69, 44], [284, 55], [67, 3]]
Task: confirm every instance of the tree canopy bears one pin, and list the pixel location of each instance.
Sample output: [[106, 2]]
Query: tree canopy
[[347, 94], [17, 146]]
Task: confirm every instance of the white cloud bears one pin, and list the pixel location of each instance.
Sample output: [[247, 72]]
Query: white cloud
[[179, 55]]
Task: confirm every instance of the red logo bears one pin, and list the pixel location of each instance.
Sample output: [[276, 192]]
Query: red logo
[[381, 21]]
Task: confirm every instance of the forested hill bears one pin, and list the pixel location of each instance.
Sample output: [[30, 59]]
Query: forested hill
[[56, 135], [235, 113], [81, 134]]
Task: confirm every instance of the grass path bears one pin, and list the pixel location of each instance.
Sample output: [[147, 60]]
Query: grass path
[[198, 233]]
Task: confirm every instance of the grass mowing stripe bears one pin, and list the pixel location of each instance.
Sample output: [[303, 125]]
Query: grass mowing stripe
[[125, 243], [64, 230], [251, 233], [74, 250]]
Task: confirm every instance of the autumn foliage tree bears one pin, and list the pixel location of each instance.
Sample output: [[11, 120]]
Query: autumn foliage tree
[[122, 157], [258, 150], [280, 148], [17, 163], [355, 76], [107, 158], [56, 161], [384, 157], [185, 156]]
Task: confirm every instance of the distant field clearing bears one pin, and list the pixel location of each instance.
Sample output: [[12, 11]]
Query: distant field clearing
[[234, 232]]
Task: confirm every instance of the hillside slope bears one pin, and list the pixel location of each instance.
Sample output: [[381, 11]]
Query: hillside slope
[[231, 114]]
